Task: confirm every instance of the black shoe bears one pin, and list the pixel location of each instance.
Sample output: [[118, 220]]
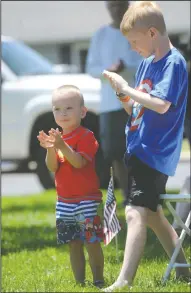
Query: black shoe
[[99, 284]]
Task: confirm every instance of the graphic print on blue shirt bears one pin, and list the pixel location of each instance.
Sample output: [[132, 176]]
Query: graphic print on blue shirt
[[156, 138], [138, 109]]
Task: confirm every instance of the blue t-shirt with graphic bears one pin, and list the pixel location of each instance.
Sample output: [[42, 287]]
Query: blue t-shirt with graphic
[[155, 138]]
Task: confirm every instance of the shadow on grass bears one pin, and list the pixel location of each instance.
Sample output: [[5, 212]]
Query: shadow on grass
[[29, 238], [39, 237], [33, 237], [46, 207]]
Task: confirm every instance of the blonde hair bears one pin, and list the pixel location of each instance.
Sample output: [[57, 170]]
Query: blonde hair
[[143, 15], [69, 89]]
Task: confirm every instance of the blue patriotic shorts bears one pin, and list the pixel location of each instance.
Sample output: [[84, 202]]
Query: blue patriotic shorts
[[83, 221]]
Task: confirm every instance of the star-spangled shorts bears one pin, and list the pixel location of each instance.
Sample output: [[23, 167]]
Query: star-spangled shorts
[[145, 184], [83, 220]]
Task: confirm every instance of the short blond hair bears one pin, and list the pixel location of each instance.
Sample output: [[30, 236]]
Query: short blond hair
[[69, 89], [142, 15]]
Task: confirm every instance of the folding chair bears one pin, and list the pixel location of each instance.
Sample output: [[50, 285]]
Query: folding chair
[[168, 198]]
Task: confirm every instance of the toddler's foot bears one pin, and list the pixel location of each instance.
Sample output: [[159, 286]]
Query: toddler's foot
[[117, 285]]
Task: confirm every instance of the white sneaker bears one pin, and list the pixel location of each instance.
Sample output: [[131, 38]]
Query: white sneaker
[[117, 285]]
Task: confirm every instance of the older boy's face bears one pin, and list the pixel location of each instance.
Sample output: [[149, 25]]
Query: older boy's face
[[141, 42], [68, 111]]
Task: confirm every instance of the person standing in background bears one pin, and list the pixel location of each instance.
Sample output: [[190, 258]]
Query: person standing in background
[[110, 49]]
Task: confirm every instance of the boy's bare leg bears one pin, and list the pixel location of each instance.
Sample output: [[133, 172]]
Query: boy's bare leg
[[136, 238], [96, 260], [167, 236], [77, 260]]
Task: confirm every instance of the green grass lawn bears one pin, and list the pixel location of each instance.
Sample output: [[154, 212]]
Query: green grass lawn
[[32, 261]]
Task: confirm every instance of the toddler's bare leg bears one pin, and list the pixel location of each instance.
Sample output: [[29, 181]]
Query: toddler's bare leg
[[136, 237], [77, 260], [167, 236], [96, 260]]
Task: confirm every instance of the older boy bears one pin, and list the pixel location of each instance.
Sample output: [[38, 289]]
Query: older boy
[[154, 132]]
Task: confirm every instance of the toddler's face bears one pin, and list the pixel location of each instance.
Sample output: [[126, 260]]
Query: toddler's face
[[68, 111]]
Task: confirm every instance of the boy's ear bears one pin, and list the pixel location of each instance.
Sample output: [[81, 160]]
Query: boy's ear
[[83, 112], [153, 32]]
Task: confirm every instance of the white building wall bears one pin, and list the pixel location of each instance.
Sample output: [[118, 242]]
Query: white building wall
[[68, 21], [56, 21], [48, 25]]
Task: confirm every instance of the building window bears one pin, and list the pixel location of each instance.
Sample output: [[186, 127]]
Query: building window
[[83, 56], [79, 51], [65, 54]]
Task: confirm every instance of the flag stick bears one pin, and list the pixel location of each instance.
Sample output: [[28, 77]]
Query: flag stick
[[116, 238]]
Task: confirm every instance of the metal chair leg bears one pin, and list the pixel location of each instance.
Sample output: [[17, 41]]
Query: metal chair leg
[[172, 263]]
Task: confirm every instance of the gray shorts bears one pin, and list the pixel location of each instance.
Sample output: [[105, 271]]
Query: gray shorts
[[112, 134]]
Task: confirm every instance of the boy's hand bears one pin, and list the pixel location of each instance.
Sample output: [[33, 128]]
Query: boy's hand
[[117, 82], [56, 138], [44, 140]]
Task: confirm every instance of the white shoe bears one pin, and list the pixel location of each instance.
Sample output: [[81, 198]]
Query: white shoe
[[116, 285]]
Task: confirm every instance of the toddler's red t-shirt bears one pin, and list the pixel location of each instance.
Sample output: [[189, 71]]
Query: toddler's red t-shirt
[[77, 184]]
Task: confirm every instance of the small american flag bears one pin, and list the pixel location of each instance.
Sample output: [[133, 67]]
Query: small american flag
[[111, 223]]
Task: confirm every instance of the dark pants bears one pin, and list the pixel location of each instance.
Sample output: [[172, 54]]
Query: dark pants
[[112, 134]]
